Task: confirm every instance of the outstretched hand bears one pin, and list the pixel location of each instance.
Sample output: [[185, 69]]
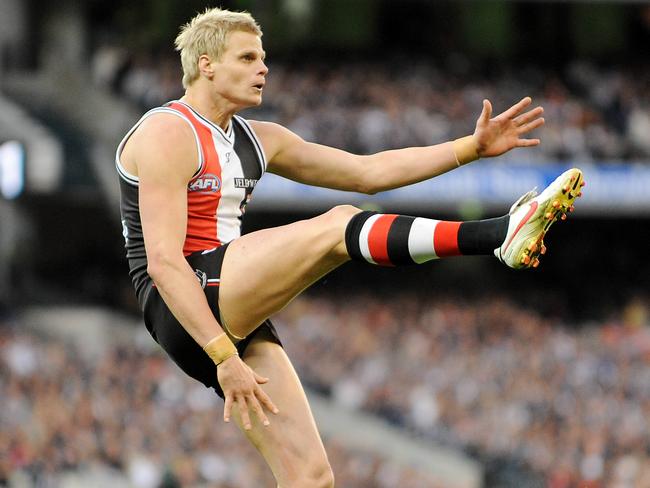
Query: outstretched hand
[[495, 136], [241, 386]]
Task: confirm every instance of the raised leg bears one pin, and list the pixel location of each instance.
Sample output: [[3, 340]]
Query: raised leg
[[263, 271]]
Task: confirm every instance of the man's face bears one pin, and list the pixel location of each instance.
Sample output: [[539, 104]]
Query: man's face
[[239, 75]]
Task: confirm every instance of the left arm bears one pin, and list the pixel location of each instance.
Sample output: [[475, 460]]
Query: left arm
[[294, 158]]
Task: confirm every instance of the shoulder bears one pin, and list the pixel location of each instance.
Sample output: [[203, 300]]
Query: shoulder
[[269, 129], [274, 137], [164, 141], [165, 128]]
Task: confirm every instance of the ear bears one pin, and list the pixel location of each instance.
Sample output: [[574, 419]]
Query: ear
[[205, 66]]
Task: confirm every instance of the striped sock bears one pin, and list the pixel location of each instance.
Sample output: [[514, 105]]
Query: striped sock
[[395, 240]]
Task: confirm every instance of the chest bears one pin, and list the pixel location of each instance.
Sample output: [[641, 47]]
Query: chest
[[231, 167]]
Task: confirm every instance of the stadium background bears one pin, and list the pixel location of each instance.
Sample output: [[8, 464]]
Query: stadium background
[[469, 374]]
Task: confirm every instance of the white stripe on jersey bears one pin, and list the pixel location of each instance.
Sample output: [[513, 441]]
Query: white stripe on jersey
[[227, 135], [134, 180], [256, 142], [228, 210]]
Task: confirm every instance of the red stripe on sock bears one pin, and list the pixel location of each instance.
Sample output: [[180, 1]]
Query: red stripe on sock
[[378, 239], [445, 239]]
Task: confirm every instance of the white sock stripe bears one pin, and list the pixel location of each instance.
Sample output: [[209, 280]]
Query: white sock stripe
[[421, 246], [363, 238]]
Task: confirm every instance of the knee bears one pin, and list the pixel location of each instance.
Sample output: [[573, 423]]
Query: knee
[[325, 479], [337, 218], [336, 221], [315, 476], [341, 214]]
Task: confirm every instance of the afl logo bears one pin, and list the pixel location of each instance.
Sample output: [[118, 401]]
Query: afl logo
[[208, 183]]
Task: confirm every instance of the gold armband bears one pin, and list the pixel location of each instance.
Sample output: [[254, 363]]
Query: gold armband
[[465, 150], [220, 348]]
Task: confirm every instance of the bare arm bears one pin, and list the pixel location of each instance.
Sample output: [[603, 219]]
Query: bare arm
[[164, 151], [319, 165], [165, 155]]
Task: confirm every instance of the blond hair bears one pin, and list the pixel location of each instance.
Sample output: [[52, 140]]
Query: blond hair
[[207, 34]]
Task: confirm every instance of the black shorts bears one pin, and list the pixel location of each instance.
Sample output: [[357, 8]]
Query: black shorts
[[174, 339]]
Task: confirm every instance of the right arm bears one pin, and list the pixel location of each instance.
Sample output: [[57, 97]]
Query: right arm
[[165, 156], [290, 156]]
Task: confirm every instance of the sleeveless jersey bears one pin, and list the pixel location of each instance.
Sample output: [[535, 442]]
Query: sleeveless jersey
[[229, 165]]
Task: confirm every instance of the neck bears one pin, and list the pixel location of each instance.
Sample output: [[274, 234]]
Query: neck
[[219, 110]]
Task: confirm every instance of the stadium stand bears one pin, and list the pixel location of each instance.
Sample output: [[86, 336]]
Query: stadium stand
[[543, 383], [121, 396], [500, 380], [597, 113], [571, 403]]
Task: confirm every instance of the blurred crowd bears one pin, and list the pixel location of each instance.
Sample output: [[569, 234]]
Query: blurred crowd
[[592, 113], [130, 418], [571, 403]]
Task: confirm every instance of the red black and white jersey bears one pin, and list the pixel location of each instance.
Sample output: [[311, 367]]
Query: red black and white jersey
[[229, 165]]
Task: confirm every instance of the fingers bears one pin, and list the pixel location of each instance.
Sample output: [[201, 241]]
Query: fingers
[[259, 378], [486, 113], [246, 394], [257, 408], [256, 401], [516, 108], [243, 412], [266, 401], [530, 126], [528, 116], [527, 142], [252, 401], [227, 409], [261, 394]]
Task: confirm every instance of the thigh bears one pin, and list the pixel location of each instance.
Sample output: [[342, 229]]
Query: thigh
[[291, 445], [264, 270]]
